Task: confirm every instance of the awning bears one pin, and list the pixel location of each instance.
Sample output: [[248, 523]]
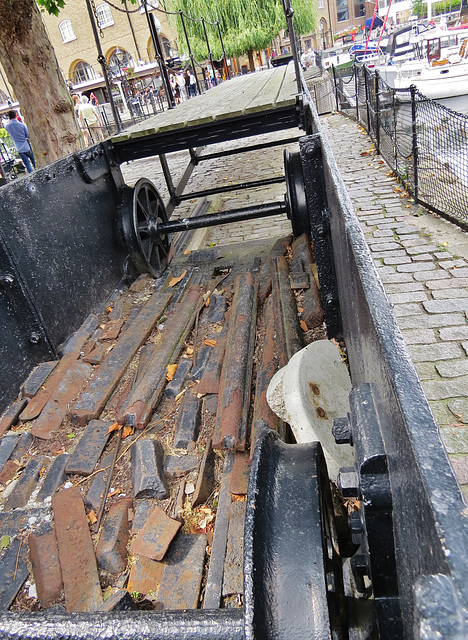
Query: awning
[[377, 23]]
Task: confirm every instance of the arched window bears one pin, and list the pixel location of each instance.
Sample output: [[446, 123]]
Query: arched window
[[66, 31], [83, 72], [104, 16], [120, 60], [166, 47]]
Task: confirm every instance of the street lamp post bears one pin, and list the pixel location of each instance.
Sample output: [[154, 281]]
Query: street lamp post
[[102, 62]]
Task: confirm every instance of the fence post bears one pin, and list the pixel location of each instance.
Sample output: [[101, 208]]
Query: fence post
[[190, 51], [336, 89], [395, 141], [377, 112], [415, 142], [209, 53], [366, 75], [356, 91]]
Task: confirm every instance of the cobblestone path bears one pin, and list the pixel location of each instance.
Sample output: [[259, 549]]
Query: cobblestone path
[[423, 263]]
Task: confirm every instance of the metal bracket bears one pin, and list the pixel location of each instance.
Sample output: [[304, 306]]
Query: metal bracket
[[372, 525]]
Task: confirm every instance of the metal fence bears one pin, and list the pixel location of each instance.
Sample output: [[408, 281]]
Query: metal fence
[[423, 142]]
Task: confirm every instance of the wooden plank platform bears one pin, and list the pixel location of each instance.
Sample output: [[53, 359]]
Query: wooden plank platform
[[235, 108]]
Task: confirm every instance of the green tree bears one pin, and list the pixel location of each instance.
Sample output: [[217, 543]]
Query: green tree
[[30, 64], [245, 25]]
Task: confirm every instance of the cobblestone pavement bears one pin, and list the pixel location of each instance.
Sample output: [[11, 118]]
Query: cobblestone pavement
[[423, 262], [422, 259]]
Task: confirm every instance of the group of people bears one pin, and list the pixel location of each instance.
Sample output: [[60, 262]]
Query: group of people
[[183, 85], [88, 117]]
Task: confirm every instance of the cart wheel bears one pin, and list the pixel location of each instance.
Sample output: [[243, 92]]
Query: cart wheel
[[142, 211], [292, 562], [295, 198]]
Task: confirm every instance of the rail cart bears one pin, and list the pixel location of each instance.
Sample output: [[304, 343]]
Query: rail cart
[[73, 231]]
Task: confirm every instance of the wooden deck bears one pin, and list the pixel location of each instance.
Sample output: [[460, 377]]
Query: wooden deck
[[235, 108]]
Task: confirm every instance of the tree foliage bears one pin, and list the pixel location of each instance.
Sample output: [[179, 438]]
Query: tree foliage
[[245, 25]]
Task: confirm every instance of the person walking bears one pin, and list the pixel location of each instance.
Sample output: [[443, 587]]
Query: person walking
[[18, 132], [192, 84], [89, 117]]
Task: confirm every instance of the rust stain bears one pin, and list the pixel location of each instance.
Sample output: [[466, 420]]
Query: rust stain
[[321, 413], [314, 388]]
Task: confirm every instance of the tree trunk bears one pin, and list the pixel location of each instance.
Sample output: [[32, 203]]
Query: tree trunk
[[251, 60], [32, 69]]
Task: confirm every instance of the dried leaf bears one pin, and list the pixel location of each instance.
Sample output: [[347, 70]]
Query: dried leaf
[[127, 431], [108, 309], [304, 327], [207, 302], [366, 153], [92, 518], [174, 281], [300, 309], [113, 493], [114, 427], [171, 369], [209, 343], [189, 351], [237, 498], [187, 252]]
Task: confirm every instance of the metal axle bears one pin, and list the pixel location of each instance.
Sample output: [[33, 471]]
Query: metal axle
[[213, 219]]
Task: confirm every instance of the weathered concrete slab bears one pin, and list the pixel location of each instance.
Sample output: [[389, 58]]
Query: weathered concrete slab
[[37, 378], [101, 386], [7, 444], [181, 581], [156, 535], [206, 479], [47, 574], [145, 575], [13, 573], [240, 473], [175, 386], [10, 416], [233, 579], [56, 408], [188, 422], [26, 484], [76, 553], [148, 476], [176, 467], [55, 477], [87, 452], [95, 493], [111, 551]]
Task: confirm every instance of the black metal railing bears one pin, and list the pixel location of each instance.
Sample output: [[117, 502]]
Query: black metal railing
[[424, 142]]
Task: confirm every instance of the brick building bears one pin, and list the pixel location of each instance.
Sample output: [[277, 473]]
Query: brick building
[[125, 40]]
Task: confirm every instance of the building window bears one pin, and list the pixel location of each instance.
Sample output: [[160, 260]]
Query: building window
[[321, 4], [151, 4], [359, 8], [342, 12], [120, 61], [66, 31], [104, 16], [83, 72]]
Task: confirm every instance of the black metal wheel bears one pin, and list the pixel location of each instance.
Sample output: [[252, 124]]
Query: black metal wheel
[[295, 197], [142, 213], [292, 563]]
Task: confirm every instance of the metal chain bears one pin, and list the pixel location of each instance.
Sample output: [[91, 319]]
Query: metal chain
[[97, 19]]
